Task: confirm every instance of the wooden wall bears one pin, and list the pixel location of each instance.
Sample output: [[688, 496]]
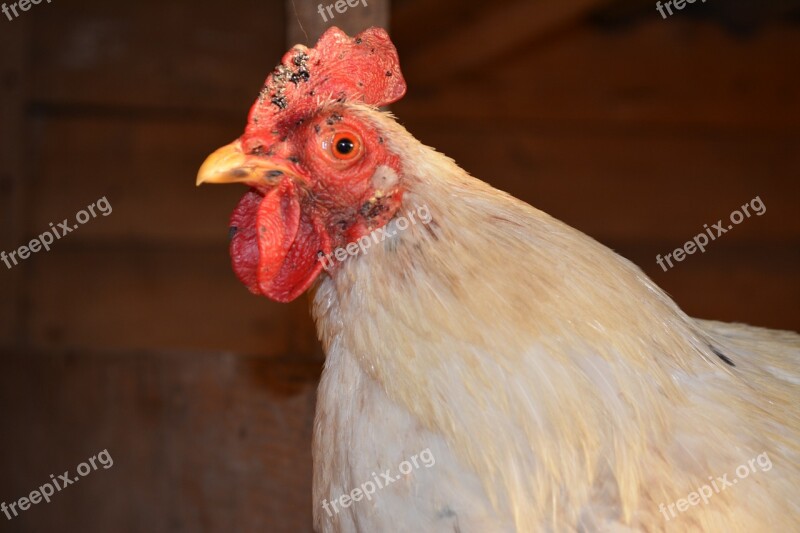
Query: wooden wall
[[132, 334]]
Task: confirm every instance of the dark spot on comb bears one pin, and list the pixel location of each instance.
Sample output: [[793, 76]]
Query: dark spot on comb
[[279, 101], [388, 73], [380, 140], [300, 58], [232, 232], [722, 356], [300, 75], [258, 150], [358, 41], [293, 159]]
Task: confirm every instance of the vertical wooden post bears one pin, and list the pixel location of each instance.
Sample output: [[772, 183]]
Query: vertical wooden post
[[304, 23], [13, 148]]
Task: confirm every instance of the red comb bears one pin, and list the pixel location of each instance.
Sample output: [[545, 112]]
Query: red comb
[[363, 68]]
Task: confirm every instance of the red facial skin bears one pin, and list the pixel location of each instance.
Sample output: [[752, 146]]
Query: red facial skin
[[321, 199], [284, 229]]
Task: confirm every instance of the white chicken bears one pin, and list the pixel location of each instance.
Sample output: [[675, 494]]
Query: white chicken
[[556, 386]]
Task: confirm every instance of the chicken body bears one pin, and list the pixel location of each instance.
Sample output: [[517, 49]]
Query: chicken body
[[557, 387]]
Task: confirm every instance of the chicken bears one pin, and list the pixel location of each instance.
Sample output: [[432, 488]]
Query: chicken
[[556, 386]]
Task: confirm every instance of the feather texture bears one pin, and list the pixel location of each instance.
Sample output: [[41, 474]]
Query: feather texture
[[558, 388]]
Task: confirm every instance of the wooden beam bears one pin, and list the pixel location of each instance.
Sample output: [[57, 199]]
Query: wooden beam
[[13, 220], [204, 442], [499, 32]]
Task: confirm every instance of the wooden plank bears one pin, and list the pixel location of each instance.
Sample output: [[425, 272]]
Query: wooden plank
[[636, 188], [146, 169], [180, 56], [200, 442], [499, 31], [684, 74], [129, 297], [13, 175], [416, 25]]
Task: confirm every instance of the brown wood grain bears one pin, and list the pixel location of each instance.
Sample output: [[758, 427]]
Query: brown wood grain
[[684, 76], [498, 33], [13, 173], [183, 56], [145, 167], [200, 441], [128, 297]]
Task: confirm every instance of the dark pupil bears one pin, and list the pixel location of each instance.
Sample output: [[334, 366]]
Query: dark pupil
[[344, 146]]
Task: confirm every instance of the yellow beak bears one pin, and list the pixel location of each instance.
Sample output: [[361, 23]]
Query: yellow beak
[[230, 164]]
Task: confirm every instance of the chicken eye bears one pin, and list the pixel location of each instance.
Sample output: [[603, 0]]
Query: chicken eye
[[345, 146]]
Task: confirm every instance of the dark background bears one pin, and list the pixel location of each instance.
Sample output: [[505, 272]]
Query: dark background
[[133, 335]]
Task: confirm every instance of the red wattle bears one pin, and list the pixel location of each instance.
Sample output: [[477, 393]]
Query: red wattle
[[275, 247]]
